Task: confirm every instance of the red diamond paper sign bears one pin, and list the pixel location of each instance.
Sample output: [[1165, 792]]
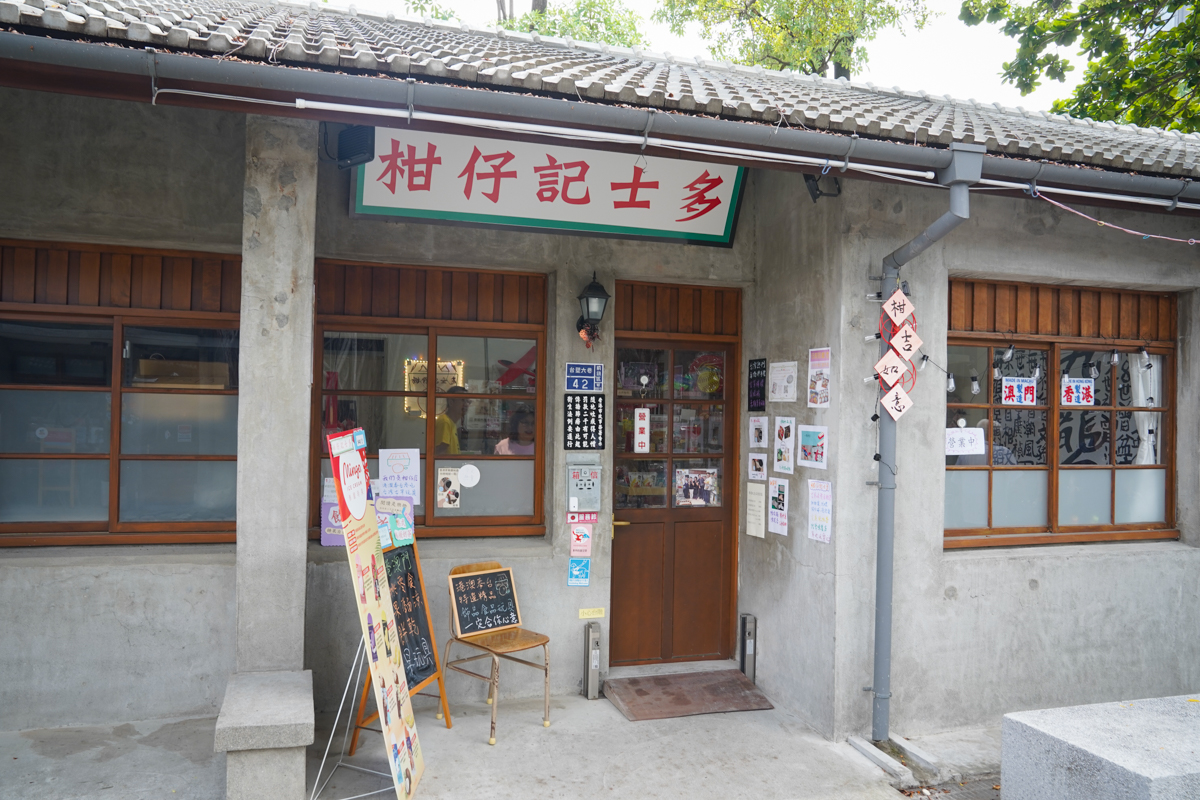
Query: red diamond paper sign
[[906, 342], [898, 307], [896, 402], [891, 367]]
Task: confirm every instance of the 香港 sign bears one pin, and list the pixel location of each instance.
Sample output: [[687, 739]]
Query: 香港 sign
[[446, 177]]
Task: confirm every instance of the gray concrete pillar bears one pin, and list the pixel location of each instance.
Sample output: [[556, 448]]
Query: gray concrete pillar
[[274, 396], [266, 718]]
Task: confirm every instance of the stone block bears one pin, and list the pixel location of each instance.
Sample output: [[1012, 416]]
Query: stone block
[[1133, 750], [266, 711], [256, 774]]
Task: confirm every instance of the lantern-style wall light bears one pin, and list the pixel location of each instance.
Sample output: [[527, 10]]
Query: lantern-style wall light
[[592, 302]]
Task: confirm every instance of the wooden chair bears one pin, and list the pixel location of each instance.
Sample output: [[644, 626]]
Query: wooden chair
[[496, 646]]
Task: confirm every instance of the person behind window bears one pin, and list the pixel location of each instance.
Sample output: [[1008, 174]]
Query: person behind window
[[445, 427], [521, 432]]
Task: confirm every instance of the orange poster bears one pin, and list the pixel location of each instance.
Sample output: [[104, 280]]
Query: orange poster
[[373, 598]]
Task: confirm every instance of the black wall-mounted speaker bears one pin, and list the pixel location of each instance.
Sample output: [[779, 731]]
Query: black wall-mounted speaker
[[356, 145]]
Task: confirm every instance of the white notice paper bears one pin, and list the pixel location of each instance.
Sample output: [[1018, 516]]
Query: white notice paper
[[814, 446], [819, 375], [777, 501], [400, 474], [758, 431], [758, 466], [756, 510], [820, 510], [782, 378], [784, 448], [641, 430], [964, 442]]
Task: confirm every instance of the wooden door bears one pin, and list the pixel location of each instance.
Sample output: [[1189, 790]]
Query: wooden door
[[672, 569]]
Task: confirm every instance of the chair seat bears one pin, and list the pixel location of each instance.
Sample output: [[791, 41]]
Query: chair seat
[[512, 640]]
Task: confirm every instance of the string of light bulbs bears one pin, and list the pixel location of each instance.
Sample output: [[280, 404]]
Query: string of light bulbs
[[1035, 193]]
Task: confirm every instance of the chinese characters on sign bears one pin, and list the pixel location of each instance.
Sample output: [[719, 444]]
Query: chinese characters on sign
[[897, 307], [641, 430], [777, 505], [820, 510], [891, 367], [783, 382], [896, 402], [964, 441], [585, 377], [583, 422], [906, 342], [472, 179], [819, 375], [1078, 392], [1018, 391], [757, 384]]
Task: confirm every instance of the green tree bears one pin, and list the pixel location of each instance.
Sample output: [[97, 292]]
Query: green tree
[[427, 8], [806, 35], [602, 21], [1143, 57]]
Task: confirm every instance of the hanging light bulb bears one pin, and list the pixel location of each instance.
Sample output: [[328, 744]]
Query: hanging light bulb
[[1008, 354], [1064, 380], [872, 336], [924, 362], [1114, 358], [1147, 364], [1092, 370], [996, 372], [1037, 372], [950, 382], [975, 382]]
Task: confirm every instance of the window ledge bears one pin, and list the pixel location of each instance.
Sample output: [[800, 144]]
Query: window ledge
[[480, 548], [1170, 547], [134, 554]]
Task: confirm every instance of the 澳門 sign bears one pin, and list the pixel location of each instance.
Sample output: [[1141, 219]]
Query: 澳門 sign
[[441, 176]]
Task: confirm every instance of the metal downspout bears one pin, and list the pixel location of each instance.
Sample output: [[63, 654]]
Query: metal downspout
[[964, 170]]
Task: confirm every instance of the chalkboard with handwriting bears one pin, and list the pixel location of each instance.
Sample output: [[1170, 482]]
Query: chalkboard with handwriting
[[484, 602], [411, 611]]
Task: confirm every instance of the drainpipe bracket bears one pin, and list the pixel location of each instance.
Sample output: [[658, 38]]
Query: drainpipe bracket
[[966, 164]]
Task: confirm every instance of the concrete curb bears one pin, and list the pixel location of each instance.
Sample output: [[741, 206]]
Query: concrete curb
[[925, 760], [902, 777]]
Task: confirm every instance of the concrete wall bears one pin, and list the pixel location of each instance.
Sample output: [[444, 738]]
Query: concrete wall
[[106, 634]]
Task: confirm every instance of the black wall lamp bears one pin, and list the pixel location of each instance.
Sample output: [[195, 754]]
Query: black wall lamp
[[592, 302]]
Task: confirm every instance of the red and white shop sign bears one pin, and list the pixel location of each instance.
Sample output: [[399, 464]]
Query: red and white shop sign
[[641, 430]]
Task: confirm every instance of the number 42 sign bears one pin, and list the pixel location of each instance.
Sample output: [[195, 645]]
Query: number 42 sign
[[585, 377]]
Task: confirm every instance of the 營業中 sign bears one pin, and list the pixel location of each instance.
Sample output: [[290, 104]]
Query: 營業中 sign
[[447, 177]]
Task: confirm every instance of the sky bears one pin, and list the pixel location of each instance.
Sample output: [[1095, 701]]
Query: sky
[[947, 57]]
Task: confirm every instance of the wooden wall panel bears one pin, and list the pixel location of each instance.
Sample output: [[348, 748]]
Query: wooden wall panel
[[1061, 311], [42, 273], [666, 308]]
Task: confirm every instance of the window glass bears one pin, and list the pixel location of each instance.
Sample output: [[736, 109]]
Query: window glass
[[641, 484], [1137, 385], [66, 355], [181, 358], [178, 491], [1137, 438], [53, 490], [35, 421], [1019, 498], [699, 375], [480, 426], [179, 424], [1089, 364], [697, 483], [389, 422], [488, 365], [375, 362], [698, 429], [962, 362], [1083, 437], [1024, 364], [1019, 437], [641, 373], [1141, 495], [505, 488], [623, 420], [968, 418], [1084, 496], [966, 498]]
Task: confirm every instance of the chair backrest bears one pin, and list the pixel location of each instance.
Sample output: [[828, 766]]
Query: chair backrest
[[462, 569]]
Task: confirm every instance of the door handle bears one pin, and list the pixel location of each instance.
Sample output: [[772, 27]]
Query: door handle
[[615, 523]]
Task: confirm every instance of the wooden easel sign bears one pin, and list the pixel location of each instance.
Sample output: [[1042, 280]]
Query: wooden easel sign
[[484, 602]]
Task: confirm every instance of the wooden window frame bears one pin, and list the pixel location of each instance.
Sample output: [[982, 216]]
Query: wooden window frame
[[1053, 532], [389, 319]]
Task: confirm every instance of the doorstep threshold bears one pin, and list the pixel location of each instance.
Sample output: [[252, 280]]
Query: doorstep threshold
[[669, 668]]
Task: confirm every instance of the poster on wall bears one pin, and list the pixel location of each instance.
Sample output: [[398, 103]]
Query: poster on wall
[[814, 446], [965, 441], [697, 488], [758, 431], [400, 473], [372, 595], [782, 381], [331, 520], [758, 466], [820, 371], [777, 506], [756, 388], [1078, 392], [820, 511], [1018, 391], [449, 491], [784, 448], [756, 510]]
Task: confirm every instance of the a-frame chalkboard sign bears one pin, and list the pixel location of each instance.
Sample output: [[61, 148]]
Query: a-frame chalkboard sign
[[414, 626]]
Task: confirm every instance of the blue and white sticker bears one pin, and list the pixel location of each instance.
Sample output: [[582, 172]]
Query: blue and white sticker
[[585, 377], [579, 572], [360, 440]]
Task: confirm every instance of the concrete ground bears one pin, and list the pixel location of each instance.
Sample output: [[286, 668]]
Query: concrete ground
[[590, 750]]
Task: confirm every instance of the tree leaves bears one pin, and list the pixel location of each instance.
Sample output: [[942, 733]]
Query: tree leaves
[[603, 21], [1144, 65]]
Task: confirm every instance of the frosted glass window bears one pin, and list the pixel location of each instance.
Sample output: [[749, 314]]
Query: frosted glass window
[[966, 499], [1084, 496], [179, 424], [54, 422], [53, 490], [178, 491], [1019, 498], [1141, 495], [505, 489]]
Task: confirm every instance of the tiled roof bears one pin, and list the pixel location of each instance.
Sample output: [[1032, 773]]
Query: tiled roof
[[316, 36]]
